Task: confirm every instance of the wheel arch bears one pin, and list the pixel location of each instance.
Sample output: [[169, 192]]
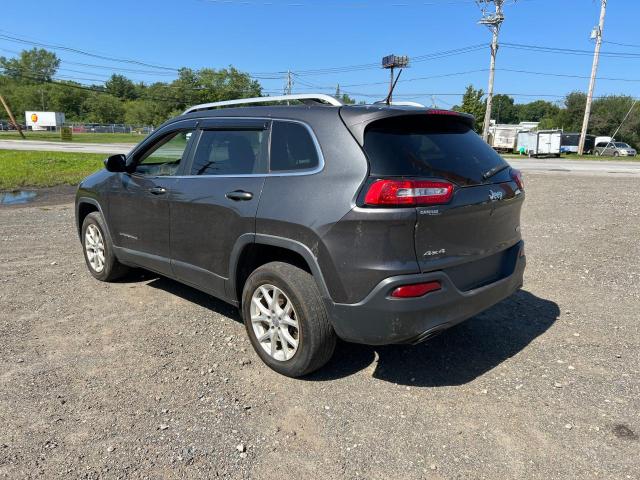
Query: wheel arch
[[253, 250], [85, 206]]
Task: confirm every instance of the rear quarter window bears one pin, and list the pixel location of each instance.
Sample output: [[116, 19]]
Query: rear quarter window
[[292, 148], [429, 146]]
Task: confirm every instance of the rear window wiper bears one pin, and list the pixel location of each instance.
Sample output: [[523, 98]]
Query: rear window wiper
[[495, 170]]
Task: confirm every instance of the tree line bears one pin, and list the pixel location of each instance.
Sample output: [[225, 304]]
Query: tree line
[[27, 82], [607, 113]]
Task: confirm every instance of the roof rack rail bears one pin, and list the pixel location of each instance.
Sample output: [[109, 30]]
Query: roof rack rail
[[308, 98], [400, 104]]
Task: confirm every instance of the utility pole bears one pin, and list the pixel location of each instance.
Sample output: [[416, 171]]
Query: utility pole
[[493, 21], [11, 118], [594, 71], [289, 85]]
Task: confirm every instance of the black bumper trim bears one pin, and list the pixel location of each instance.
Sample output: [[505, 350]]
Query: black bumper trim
[[380, 319]]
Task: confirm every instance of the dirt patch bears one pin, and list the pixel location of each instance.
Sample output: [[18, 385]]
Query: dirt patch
[[147, 378]]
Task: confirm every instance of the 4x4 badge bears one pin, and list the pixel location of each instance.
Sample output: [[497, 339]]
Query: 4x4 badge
[[495, 196]]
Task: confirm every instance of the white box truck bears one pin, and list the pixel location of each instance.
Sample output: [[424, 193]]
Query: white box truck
[[541, 143], [44, 120]]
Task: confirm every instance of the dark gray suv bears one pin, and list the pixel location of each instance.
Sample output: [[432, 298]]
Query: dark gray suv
[[376, 224]]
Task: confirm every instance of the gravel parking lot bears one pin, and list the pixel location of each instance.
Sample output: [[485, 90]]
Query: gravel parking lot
[[150, 379]]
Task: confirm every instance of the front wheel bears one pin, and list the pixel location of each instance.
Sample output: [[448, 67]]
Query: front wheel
[[98, 250], [616, 154], [286, 319]]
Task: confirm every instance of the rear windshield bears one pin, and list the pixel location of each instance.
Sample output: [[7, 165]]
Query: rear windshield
[[429, 146]]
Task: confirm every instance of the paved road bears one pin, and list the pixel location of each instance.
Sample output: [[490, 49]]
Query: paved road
[[593, 167], [554, 165], [108, 148], [146, 378]]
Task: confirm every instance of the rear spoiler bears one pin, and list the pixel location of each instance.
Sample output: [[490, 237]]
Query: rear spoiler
[[358, 118]]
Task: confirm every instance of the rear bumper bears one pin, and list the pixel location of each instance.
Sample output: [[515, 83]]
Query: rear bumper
[[380, 319]]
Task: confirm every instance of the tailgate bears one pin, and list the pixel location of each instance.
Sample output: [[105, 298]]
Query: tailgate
[[481, 223]]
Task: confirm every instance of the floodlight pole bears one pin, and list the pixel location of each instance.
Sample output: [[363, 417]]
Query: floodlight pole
[[390, 62], [592, 82], [391, 85]]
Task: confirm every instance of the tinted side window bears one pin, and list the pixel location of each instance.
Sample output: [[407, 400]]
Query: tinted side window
[[228, 152], [292, 148], [163, 158]]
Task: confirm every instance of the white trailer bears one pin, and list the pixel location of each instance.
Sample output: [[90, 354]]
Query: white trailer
[[44, 120], [503, 137], [541, 143]]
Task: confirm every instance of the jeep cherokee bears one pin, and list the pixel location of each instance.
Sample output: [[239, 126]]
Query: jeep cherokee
[[377, 224]]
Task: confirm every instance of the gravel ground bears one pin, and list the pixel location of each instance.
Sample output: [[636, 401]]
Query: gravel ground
[[150, 379]]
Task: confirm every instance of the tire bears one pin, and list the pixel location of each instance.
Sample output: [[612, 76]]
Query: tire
[[597, 154], [108, 268], [314, 334], [616, 154]]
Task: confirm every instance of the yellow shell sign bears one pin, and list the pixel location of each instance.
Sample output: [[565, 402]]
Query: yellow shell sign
[[34, 118]]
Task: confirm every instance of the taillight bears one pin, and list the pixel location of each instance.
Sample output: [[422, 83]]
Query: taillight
[[516, 175], [416, 290], [408, 192]]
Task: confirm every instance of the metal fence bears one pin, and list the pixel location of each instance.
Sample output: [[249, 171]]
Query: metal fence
[[90, 128]]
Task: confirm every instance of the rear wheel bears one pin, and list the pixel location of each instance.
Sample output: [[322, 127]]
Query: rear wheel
[[286, 319], [597, 153], [98, 250]]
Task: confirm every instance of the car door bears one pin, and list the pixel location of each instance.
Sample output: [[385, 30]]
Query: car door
[[216, 201], [139, 208]]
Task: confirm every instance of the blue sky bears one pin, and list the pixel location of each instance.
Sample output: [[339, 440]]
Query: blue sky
[[265, 37]]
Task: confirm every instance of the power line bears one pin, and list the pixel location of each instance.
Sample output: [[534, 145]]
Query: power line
[[632, 45], [568, 51], [15, 39]]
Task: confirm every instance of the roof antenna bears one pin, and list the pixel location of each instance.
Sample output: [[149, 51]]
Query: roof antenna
[[393, 87]]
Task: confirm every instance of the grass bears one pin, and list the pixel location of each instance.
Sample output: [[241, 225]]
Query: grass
[[20, 169], [77, 137]]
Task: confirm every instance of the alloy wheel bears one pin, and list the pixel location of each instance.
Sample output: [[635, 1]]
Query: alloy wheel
[[94, 247], [274, 322]]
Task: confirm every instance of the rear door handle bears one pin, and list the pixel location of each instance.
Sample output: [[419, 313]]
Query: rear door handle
[[239, 195], [157, 190]]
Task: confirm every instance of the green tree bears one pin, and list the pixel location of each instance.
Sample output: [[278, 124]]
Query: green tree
[[68, 97], [343, 97], [31, 66], [504, 109], [121, 87], [103, 108], [537, 110], [226, 84], [570, 118], [473, 103], [143, 113], [608, 113]]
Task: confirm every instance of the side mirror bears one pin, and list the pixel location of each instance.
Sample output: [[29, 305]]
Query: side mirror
[[116, 163]]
